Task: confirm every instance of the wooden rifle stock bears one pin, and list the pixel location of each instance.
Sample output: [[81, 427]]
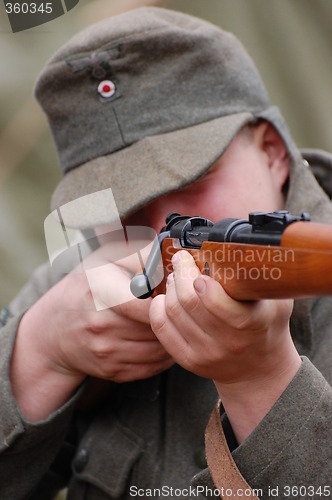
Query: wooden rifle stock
[[300, 267], [269, 256]]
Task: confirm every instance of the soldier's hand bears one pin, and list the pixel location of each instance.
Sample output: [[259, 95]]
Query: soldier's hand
[[245, 347], [63, 338]]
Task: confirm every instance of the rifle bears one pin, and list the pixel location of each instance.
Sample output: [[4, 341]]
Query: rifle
[[269, 256]]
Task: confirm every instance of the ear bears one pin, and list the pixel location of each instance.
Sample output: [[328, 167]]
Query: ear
[[271, 144]]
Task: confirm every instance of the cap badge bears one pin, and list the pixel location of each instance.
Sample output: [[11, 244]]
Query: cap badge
[[98, 63]]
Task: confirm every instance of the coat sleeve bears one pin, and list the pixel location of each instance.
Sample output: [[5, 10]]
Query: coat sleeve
[[288, 455], [290, 449], [26, 449]]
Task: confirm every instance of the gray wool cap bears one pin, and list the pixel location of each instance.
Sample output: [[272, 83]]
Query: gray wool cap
[[144, 103]]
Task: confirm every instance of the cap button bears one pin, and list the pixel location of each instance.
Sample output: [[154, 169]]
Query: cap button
[[106, 89], [80, 460]]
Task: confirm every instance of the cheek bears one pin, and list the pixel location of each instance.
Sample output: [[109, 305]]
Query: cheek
[[247, 193]]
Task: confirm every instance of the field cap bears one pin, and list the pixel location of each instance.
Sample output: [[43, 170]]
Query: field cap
[[144, 103]]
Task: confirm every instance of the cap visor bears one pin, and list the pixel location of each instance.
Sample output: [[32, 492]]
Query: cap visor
[[145, 170]]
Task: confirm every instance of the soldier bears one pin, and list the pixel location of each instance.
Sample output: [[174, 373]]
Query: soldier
[[168, 112]]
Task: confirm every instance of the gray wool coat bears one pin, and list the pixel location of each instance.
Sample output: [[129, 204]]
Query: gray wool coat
[[150, 434]]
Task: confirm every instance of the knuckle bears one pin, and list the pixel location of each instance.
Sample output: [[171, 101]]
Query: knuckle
[[242, 323], [256, 317], [172, 308], [104, 350], [216, 300], [157, 314], [97, 323], [158, 324], [237, 345], [214, 354], [190, 359], [116, 375], [189, 300], [109, 370], [122, 309], [101, 351], [193, 363]]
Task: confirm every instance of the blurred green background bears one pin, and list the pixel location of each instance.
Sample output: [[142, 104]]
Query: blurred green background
[[290, 41]]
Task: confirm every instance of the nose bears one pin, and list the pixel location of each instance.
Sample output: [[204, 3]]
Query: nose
[[156, 219], [151, 216], [154, 215]]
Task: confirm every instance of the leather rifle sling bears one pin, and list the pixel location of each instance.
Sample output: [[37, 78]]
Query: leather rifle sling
[[223, 469]]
